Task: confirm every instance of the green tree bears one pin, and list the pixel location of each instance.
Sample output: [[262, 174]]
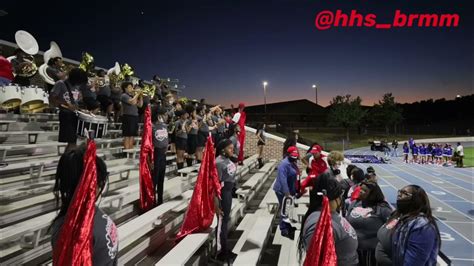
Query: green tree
[[387, 113], [345, 111]]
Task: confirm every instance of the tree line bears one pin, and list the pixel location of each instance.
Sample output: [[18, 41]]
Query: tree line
[[347, 111]]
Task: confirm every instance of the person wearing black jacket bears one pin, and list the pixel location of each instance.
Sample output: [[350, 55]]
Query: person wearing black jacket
[[160, 143]]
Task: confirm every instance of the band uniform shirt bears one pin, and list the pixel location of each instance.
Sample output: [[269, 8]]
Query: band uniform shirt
[[60, 90], [53, 73], [345, 237], [193, 130], [226, 169], [160, 135], [180, 133], [127, 108], [104, 242], [104, 90], [236, 143]]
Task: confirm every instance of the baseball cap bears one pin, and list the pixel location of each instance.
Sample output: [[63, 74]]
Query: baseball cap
[[293, 152], [316, 149]]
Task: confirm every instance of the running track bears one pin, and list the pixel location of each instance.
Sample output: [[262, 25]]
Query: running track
[[451, 193]]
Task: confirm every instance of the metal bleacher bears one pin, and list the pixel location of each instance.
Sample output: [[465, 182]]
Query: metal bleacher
[[27, 205]]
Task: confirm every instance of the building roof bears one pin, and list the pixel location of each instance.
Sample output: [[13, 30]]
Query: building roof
[[288, 107]]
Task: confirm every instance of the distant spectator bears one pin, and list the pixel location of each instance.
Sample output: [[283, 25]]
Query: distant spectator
[[394, 148], [406, 151], [291, 140], [460, 155], [261, 141]]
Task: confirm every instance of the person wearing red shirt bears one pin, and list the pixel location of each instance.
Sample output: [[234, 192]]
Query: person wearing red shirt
[[317, 166], [6, 70]]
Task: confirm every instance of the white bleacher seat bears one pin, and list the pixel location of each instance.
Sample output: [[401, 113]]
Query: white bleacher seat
[[182, 252], [252, 183], [5, 148], [133, 230], [255, 240], [5, 124]]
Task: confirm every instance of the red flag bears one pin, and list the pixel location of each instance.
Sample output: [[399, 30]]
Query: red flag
[[74, 245], [322, 250], [243, 118], [147, 194], [201, 211]]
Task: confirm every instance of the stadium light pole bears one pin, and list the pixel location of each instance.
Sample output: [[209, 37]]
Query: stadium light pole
[[316, 93], [265, 98]]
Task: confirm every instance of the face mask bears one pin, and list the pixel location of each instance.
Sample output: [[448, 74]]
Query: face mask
[[292, 159], [335, 170], [404, 206]]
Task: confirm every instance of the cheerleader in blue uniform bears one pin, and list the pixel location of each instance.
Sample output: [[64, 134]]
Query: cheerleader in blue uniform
[[406, 150], [415, 151], [429, 153], [423, 153], [439, 154], [450, 153]]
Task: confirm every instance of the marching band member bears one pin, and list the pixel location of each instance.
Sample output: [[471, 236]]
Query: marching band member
[[66, 95], [70, 171], [131, 100], [160, 143], [103, 93], [226, 170], [54, 70]]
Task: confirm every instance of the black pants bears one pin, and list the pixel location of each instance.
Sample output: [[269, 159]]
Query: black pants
[[367, 257], [159, 170], [226, 206]]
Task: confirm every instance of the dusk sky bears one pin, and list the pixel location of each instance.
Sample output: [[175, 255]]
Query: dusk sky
[[223, 50]]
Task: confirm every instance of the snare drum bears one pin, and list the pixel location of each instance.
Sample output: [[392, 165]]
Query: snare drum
[[32, 95], [10, 96], [96, 123]]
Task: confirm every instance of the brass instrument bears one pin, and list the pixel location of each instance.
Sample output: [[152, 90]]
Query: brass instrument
[[125, 71], [87, 64], [53, 51], [27, 68], [149, 90]]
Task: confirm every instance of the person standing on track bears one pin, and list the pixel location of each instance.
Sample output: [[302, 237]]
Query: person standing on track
[[460, 155]]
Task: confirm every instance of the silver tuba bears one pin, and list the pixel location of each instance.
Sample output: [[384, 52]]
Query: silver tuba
[[113, 75], [28, 44], [53, 51]]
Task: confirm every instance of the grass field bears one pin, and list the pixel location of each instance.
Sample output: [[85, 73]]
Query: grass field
[[334, 139], [469, 157]]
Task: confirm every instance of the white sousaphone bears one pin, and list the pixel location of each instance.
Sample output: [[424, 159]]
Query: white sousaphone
[[112, 73], [28, 44], [53, 51]]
